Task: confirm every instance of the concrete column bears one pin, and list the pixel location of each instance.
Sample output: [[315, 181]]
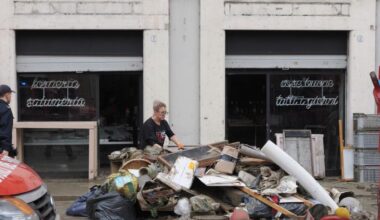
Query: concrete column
[[6, 14], [212, 71], [358, 84], [8, 63], [8, 51], [156, 69], [184, 69]]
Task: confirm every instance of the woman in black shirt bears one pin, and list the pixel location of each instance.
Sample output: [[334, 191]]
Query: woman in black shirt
[[156, 128]]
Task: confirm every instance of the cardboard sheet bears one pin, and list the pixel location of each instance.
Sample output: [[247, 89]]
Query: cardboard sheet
[[215, 179], [182, 172], [228, 160]]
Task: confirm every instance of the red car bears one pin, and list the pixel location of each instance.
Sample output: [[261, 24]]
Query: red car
[[23, 195]]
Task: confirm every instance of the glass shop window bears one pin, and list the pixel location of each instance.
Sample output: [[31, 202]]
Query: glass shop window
[[57, 153], [305, 102], [57, 97], [312, 102]]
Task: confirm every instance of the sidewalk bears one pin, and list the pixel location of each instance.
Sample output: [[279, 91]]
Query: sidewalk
[[366, 193], [65, 191]]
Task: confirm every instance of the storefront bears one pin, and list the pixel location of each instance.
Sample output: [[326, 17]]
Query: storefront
[[285, 66], [278, 80], [86, 74], [78, 76]]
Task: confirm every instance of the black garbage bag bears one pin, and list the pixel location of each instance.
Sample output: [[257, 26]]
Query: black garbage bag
[[110, 206], [78, 208], [257, 209]]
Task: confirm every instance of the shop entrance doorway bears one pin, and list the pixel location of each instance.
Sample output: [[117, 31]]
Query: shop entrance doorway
[[263, 102], [246, 108], [120, 100]]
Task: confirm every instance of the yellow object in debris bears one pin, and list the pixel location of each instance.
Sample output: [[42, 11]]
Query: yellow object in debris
[[342, 212], [192, 166], [123, 182]]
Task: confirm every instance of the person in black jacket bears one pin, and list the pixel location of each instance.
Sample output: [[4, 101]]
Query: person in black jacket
[[156, 128], [6, 122]]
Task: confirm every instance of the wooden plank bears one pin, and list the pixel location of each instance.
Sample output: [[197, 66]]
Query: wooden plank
[[96, 161], [91, 158], [341, 148], [18, 143], [56, 124], [270, 203], [219, 144], [305, 201], [14, 137], [234, 144], [166, 163], [208, 217], [254, 161]]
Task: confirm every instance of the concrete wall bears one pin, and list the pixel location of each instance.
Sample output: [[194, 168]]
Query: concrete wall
[[184, 69], [156, 69], [90, 14], [355, 16], [361, 62], [152, 16], [212, 72]]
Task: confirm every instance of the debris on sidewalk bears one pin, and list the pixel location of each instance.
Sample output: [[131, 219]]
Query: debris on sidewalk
[[182, 173], [214, 178], [203, 204], [287, 185], [164, 178], [247, 178], [183, 208], [289, 165], [111, 205], [227, 161], [122, 182], [205, 155], [224, 181], [155, 197]]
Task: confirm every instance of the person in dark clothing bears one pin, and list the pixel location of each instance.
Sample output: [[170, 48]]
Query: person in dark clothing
[[6, 122], [156, 128]]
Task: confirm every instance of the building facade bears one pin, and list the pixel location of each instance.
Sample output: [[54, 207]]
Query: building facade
[[228, 69]]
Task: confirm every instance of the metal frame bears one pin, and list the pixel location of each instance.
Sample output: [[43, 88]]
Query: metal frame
[[91, 126], [77, 64], [286, 61]]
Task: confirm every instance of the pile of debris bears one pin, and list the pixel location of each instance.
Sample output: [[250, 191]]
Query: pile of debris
[[218, 181]]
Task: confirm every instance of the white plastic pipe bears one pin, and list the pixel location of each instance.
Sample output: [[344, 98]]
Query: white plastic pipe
[[253, 153], [288, 164]]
